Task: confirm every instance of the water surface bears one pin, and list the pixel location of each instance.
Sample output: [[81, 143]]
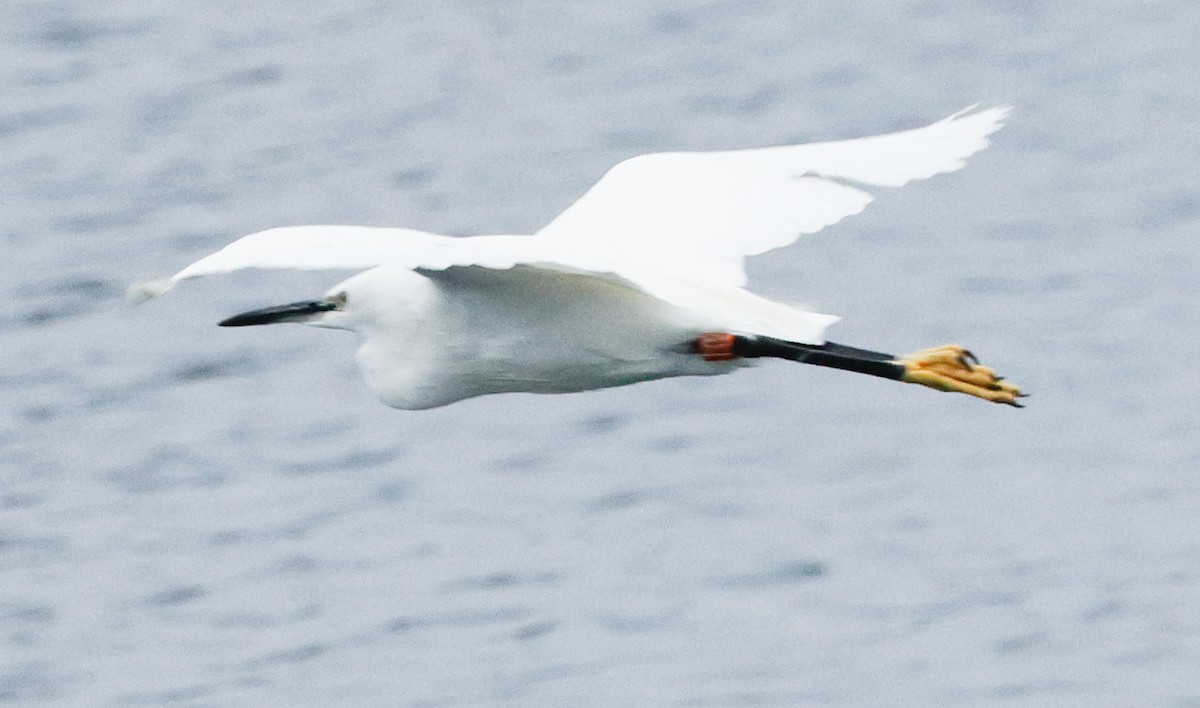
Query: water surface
[[192, 516]]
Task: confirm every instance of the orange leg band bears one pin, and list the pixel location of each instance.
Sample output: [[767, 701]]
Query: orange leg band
[[716, 346]]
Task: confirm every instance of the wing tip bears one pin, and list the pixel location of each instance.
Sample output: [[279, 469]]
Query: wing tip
[[146, 290], [990, 119]]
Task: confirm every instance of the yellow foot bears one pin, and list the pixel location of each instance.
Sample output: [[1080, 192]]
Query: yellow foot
[[952, 368]]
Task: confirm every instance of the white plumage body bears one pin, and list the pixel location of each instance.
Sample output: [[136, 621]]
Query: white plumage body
[[533, 330], [611, 291]]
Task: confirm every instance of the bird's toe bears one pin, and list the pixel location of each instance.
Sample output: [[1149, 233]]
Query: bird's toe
[[955, 369]]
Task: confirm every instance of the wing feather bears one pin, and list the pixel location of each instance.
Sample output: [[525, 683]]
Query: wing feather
[[352, 248], [708, 211]]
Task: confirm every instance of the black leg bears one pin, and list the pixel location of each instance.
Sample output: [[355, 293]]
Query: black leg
[[945, 368], [836, 356], [843, 350]]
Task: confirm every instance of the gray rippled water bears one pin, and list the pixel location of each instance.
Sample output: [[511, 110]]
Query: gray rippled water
[[192, 516]]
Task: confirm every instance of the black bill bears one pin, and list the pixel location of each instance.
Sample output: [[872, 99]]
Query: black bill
[[294, 312]]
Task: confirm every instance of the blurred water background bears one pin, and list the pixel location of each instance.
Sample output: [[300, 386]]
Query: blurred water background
[[194, 516]]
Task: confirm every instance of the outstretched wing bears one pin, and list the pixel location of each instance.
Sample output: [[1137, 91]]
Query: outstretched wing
[[355, 248], [364, 247], [705, 212], [444, 257], [675, 225]]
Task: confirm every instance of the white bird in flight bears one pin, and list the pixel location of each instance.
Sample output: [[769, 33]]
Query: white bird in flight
[[642, 278]]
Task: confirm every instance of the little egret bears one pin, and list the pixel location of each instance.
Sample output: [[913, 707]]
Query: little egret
[[642, 278]]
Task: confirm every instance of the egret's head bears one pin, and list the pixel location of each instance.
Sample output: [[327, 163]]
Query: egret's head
[[379, 295]]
